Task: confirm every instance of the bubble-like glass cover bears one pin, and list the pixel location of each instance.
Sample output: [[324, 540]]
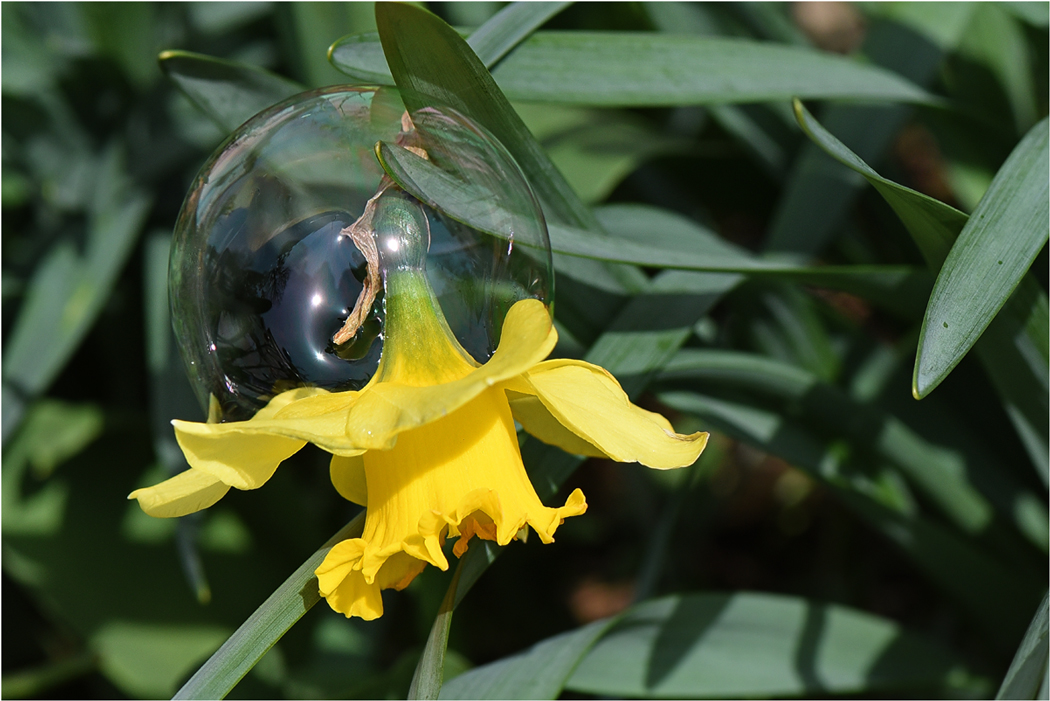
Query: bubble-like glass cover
[[264, 271]]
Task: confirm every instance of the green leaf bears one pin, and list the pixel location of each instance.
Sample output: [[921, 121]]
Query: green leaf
[[749, 644], [429, 674], [537, 673], [1036, 14], [997, 39], [819, 194], [997, 595], [509, 27], [467, 202], [435, 67], [53, 432], [432, 65], [138, 655], [129, 35], [264, 628], [228, 92], [1015, 352], [953, 478], [993, 252], [1028, 675], [68, 289], [1014, 348], [595, 150], [314, 27], [933, 224], [640, 69], [37, 681], [361, 57]]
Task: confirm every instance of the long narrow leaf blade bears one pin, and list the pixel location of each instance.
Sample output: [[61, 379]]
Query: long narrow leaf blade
[[1014, 348], [997, 596], [991, 255], [466, 203], [433, 65], [1028, 672], [641, 69], [748, 644], [537, 673], [933, 225], [69, 288], [227, 91], [508, 27], [265, 626]]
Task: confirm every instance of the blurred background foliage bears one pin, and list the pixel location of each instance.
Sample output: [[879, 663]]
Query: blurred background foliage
[[905, 542]]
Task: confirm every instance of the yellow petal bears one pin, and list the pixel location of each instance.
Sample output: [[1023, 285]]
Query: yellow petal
[[534, 417], [343, 585], [588, 401], [385, 409], [461, 475], [348, 477], [183, 494], [338, 564], [245, 454], [285, 398]]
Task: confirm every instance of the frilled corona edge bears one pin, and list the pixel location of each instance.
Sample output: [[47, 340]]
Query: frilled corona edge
[[429, 447], [461, 475]]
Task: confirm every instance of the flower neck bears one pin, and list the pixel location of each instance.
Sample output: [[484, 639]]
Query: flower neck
[[419, 348]]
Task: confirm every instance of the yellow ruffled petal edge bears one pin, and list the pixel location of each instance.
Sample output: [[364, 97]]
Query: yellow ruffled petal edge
[[585, 406], [185, 493], [385, 409], [353, 573]]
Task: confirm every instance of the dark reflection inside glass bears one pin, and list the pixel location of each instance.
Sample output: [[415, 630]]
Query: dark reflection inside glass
[[272, 312]]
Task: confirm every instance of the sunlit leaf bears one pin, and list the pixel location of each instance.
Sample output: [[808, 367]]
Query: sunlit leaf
[[1014, 348], [892, 285], [993, 252], [537, 673], [643, 69], [748, 644]]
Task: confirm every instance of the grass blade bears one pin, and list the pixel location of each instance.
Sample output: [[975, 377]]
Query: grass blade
[[426, 681]]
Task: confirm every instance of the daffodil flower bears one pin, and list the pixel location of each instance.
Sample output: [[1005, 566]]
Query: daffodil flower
[[429, 444]]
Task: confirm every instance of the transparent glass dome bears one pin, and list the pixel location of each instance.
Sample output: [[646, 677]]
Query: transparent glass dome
[[264, 272]]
